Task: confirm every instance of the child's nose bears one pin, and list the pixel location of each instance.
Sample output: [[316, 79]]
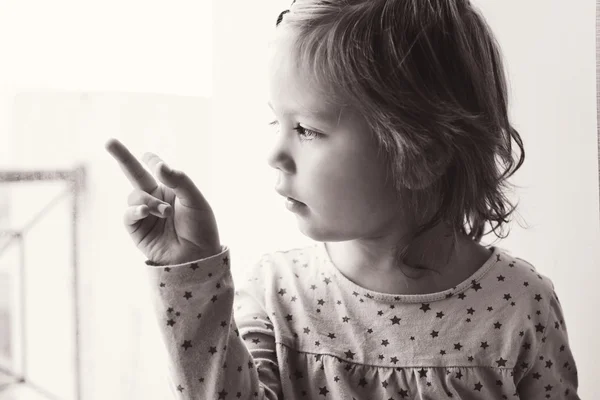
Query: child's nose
[[280, 156]]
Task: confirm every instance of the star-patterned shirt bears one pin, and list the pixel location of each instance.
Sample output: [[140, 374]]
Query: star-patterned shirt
[[296, 328]]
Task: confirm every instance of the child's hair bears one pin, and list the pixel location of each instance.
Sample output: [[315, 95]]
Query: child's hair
[[427, 75]]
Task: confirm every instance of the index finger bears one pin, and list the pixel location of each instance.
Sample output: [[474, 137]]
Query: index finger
[[139, 177]]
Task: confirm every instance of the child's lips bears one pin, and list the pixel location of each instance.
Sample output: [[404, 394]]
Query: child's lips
[[290, 202], [283, 193], [297, 201]]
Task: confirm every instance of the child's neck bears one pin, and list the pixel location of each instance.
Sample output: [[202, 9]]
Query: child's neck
[[373, 266]]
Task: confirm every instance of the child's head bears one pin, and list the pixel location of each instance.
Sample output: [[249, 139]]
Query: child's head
[[419, 86]]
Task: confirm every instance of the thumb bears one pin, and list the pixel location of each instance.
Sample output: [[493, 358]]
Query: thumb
[[181, 184]]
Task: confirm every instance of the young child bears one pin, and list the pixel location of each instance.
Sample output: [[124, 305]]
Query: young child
[[391, 116]]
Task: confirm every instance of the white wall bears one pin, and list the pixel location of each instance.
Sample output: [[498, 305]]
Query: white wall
[[121, 53]]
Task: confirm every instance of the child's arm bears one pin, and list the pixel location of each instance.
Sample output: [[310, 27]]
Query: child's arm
[[552, 373], [209, 359], [171, 223]]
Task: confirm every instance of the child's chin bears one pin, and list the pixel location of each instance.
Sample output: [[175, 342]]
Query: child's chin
[[317, 233]]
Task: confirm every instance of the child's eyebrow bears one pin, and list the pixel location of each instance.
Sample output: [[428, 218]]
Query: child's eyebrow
[[329, 116]]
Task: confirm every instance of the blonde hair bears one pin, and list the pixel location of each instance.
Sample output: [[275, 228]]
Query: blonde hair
[[428, 77]]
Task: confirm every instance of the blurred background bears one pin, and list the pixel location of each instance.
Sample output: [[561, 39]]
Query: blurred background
[[186, 79]]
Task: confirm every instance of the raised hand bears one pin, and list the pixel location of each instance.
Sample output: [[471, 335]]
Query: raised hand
[[170, 221]]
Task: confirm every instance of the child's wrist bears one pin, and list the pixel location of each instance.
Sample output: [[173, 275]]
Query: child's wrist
[[187, 258]]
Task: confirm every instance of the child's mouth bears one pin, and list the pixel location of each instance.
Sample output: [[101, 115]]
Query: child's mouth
[[293, 204]]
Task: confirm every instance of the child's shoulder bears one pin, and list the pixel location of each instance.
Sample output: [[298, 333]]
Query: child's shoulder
[[522, 271], [518, 281]]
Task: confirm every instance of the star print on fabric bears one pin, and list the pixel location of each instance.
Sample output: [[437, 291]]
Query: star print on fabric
[[315, 330], [187, 344]]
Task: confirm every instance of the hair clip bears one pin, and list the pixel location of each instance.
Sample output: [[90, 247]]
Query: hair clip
[[280, 17]]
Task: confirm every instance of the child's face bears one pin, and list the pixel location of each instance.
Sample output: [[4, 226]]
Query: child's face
[[336, 174]]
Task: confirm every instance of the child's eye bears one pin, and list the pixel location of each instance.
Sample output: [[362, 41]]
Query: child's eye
[[305, 134]]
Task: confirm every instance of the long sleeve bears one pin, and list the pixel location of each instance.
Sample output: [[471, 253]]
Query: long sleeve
[[208, 356], [553, 374]]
